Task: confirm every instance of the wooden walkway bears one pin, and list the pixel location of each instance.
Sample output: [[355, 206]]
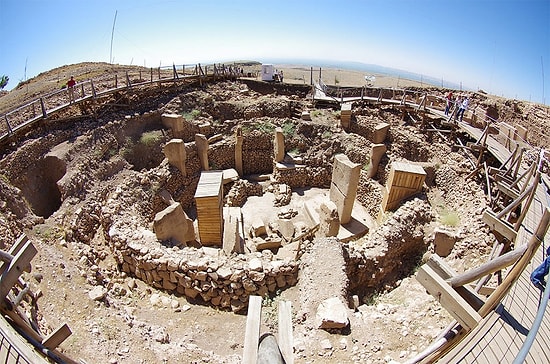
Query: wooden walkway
[[92, 90]]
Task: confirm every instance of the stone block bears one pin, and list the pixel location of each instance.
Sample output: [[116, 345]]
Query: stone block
[[444, 242], [233, 241], [332, 313], [380, 133], [279, 145], [175, 152], [377, 151], [173, 223], [329, 223], [269, 242], [202, 150], [174, 122], [257, 227], [230, 175], [343, 188], [306, 115], [286, 228]]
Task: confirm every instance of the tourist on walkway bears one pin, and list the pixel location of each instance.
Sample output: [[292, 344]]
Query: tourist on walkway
[[537, 277], [70, 86], [461, 108], [449, 99]]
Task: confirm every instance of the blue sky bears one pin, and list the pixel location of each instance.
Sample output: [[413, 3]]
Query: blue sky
[[502, 47]]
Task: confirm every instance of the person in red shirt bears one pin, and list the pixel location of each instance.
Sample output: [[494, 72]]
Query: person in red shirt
[[70, 86]]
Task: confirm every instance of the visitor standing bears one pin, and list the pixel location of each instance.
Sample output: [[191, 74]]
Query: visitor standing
[[462, 107], [449, 99], [70, 86]]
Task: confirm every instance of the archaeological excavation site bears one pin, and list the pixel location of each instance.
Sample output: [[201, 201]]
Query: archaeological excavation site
[[196, 217]]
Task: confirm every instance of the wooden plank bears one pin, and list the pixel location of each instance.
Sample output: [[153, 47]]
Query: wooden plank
[[504, 188], [20, 261], [448, 297], [252, 333], [502, 227], [286, 340], [53, 340]]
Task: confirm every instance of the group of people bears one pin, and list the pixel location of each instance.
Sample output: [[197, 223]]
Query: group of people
[[461, 105]]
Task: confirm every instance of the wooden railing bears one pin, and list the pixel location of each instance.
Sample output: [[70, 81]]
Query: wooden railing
[[109, 83]]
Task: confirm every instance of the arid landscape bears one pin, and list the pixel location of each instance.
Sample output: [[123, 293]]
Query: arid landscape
[[85, 186]]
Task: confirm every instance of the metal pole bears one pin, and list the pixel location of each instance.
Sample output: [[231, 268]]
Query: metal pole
[[520, 358]]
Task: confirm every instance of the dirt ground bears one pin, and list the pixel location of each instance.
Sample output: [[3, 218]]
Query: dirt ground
[[136, 323]]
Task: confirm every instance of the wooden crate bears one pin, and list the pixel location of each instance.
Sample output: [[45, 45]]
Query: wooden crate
[[209, 199], [404, 180]]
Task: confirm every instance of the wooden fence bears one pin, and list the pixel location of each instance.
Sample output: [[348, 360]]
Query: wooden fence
[[109, 83]]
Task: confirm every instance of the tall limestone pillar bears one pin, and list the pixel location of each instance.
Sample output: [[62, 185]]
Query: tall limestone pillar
[[279, 145], [175, 152], [202, 149], [343, 188], [377, 151], [239, 151]]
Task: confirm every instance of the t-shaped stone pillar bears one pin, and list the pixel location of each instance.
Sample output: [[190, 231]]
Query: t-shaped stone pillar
[[279, 145], [175, 152], [202, 150], [174, 122], [377, 151], [343, 188]]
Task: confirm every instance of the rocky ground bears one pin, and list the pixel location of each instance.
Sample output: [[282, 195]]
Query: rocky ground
[[117, 318]]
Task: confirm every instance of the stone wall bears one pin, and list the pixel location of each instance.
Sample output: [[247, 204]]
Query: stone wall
[[204, 274], [391, 252], [304, 176], [257, 153]]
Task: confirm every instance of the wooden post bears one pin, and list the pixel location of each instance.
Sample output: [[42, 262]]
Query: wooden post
[[116, 80], [128, 83], [94, 94], [311, 76], [43, 106], [252, 334], [19, 262], [8, 124], [175, 71], [151, 74]]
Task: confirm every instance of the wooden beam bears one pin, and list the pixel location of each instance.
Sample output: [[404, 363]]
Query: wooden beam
[[504, 188], [489, 267], [252, 334], [448, 297], [446, 272], [502, 227], [286, 340], [19, 262], [484, 290], [54, 339]]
